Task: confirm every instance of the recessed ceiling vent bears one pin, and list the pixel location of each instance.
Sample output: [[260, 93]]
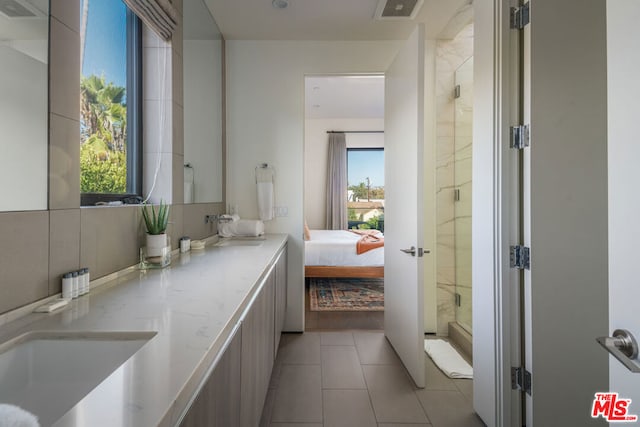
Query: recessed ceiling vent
[[14, 9], [398, 9]]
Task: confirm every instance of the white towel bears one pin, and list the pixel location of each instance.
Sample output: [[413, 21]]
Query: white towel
[[448, 359], [229, 218], [265, 200], [188, 192], [14, 416], [241, 228]]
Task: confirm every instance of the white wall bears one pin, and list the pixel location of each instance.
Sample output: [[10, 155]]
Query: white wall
[[203, 117], [23, 143], [315, 159], [265, 123]]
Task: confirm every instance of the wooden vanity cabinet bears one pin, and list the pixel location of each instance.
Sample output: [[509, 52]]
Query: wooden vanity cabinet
[[235, 392]]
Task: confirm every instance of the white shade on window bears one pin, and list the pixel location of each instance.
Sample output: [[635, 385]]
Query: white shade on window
[[159, 15]]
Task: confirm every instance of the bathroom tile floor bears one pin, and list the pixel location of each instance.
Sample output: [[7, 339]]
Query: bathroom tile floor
[[354, 378]]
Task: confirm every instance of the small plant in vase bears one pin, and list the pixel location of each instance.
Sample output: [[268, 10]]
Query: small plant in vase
[[156, 223]]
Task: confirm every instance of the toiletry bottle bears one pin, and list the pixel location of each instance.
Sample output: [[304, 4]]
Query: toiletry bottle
[[74, 275], [67, 286], [87, 277], [185, 244], [81, 282]]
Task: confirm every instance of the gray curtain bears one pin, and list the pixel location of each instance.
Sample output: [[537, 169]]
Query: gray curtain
[[337, 183], [159, 15]]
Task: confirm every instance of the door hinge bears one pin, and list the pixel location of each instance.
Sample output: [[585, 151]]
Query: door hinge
[[519, 137], [520, 17], [521, 380], [458, 297], [520, 257], [456, 195], [456, 91]]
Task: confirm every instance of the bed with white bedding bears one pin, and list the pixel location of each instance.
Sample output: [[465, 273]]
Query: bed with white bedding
[[332, 253]]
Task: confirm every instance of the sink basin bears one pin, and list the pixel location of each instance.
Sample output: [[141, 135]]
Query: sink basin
[[47, 373], [240, 242]]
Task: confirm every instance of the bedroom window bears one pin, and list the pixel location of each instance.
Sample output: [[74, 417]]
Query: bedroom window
[[365, 188]]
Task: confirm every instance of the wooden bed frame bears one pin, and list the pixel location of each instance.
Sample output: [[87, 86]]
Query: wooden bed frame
[[331, 271]]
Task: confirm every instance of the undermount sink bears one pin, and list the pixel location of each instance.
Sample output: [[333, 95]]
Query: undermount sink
[[47, 373], [240, 242]]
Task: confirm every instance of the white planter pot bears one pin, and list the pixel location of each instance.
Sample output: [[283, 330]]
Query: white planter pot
[[155, 244]]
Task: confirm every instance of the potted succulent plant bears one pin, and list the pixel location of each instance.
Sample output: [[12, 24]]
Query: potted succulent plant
[[156, 222]]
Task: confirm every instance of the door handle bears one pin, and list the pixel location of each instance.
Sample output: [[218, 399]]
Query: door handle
[[624, 347], [411, 250]]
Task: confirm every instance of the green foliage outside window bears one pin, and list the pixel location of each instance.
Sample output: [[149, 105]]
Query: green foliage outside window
[[103, 124]]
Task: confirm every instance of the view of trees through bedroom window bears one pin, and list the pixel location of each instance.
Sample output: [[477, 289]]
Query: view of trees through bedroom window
[[365, 190]]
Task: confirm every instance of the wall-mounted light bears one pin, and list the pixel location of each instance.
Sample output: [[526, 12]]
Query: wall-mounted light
[[280, 4]]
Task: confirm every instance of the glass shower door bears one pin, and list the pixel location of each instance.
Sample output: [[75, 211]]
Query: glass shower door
[[462, 219]]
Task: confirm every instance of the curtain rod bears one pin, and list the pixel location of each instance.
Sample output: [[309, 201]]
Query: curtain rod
[[355, 131]]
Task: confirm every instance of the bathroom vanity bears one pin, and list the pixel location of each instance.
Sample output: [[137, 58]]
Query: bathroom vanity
[[211, 326]]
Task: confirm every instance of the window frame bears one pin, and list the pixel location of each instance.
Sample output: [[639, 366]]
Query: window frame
[[134, 120], [359, 149], [352, 223]]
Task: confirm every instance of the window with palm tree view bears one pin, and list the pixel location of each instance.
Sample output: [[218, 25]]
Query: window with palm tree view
[[110, 94], [365, 191]]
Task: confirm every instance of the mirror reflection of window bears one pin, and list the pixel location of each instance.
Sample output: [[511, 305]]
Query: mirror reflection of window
[[24, 32]]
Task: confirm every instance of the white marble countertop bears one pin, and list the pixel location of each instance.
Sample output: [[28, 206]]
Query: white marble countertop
[[193, 305]]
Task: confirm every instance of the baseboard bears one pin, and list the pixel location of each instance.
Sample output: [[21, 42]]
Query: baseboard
[[462, 339]]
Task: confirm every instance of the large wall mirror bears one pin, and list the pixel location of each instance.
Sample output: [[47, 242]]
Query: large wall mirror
[[202, 55], [24, 33]]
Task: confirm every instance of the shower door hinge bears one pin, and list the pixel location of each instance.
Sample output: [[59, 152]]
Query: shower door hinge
[[458, 298], [520, 17], [521, 380], [520, 257], [519, 136], [456, 195], [456, 91]]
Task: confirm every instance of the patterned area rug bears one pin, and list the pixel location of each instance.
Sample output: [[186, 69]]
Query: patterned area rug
[[346, 294]]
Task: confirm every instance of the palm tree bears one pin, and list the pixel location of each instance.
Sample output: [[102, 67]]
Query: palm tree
[[103, 113]]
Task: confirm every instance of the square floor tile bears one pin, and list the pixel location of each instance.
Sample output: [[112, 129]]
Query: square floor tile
[[374, 349], [448, 409], [298, 397], [300, 349], [341, 368], [347, 408], [466, 388], [435, 379], [403, 425], [392, 394], [336, 338]]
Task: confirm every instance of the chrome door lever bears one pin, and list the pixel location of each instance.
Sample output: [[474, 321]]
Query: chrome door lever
[[624, 347], [411, 250]]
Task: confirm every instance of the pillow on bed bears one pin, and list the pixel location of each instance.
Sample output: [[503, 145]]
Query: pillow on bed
[[307, 233]]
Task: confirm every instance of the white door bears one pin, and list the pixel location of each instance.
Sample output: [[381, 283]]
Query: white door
[[623, 62], [404, 138]]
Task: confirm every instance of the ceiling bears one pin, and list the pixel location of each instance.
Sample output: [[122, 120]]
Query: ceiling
[[329, 20], [352, 97]]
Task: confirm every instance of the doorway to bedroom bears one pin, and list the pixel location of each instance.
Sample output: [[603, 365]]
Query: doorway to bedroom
[[344, 202]]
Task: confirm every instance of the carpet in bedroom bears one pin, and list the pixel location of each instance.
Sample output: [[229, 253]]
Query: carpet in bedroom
[[346, 294]]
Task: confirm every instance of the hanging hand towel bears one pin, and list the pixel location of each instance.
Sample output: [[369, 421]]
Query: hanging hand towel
[[264, 182]]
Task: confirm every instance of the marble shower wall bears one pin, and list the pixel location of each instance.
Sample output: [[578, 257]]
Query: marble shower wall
[[450, 54]]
